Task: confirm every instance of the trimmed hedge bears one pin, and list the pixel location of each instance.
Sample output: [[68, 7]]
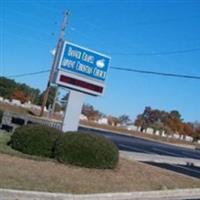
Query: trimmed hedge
[[81, 149], [35, 140], [86, 150]]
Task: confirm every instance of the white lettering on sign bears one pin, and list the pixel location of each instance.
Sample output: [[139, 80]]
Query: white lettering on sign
[[83, 68], [74, 53], [87, 58], [99, 73], [84, 62], [68, 63]]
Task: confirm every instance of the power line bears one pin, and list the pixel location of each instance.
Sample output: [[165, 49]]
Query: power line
[[20, 36], [25, 26], [164, 21], [117, 53], [157, 73], [29, 74], [18, 12], [175, 75], [159, 53]]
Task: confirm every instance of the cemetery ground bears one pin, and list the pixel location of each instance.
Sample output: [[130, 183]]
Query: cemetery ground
[[139, 134], [20, 171], [12, 108], [25, 111]]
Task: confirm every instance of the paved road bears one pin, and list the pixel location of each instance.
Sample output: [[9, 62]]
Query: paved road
[[135, 144], [187, 170]]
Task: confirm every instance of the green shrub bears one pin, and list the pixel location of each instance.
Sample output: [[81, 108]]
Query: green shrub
[[86, 150], [1, 116], [35, 140]]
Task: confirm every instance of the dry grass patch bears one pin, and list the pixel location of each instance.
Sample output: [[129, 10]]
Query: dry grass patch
[[20, 173], [12, 108]]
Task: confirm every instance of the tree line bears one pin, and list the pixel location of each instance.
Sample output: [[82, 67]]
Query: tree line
[[10, 89], [159, 120], [169, 122], [93, 114]]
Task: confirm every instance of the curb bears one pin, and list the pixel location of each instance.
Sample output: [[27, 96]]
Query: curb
[[179, 194], [159, 159]]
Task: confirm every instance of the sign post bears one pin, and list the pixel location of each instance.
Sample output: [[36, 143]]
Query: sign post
[[83, 71], [73, 110]]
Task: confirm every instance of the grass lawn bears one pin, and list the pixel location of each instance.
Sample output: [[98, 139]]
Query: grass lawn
[[18, 172]]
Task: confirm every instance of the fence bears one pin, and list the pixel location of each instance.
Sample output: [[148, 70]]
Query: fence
[[10, 121]]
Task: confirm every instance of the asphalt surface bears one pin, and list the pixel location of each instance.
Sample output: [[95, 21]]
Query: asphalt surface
[[135, 144], [187, 170]]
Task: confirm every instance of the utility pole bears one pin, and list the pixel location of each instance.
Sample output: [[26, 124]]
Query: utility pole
[[55, 61], [55, 100]]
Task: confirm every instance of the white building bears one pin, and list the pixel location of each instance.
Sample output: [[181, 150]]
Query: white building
[[15, 102], [188, 138], [149, 131], [132, 127], [103, 120], [83, 117]]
